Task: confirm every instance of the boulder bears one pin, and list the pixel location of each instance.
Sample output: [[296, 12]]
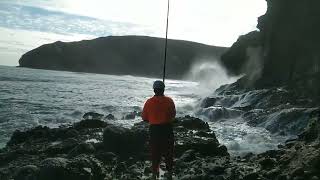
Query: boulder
[[205, 147], [110, 117], [267, 163], [35, 133], [29, 172], [131, 115], [106, 157], [192, 123], [251, 176], [312, 132], [72, 133], [188, 156], [92, 123], [84, 167], [53, 169], [5, 174], [208, 101], [124, 141], [92, 115], [120, 168], [216, 113], [83, 148], [62, 147]]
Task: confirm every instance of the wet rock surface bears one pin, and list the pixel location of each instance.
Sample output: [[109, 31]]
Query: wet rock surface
[[121, 153], [118, 152], [280, 110]]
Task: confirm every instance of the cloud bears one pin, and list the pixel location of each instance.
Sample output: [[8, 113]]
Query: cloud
[[43, 20], [217, 22]]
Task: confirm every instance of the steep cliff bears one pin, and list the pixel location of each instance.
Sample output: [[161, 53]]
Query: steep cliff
[[125, 55], [289, 39]]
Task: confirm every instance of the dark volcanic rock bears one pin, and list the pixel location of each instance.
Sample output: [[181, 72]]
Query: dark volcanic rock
[[36, 133], [124, 141], [83, 148], [53, 169], [128, 55], [72, 133], [188, 156], [198, 152], [92, 115], [76, 152], [85, 168], [110, 117], [131, 115], [208, 101], [90, 123], [80, 168], [267, 163], [288, 44], [106, 157], [62, 147], [291, 41], [236, 57], [192, 123], [29, 172]]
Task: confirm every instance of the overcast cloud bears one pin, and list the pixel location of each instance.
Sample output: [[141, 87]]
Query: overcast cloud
[[214, 22]]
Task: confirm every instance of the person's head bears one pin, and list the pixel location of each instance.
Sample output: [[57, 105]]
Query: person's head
[[158, 88]]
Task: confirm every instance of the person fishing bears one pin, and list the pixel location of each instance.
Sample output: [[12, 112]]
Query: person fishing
[[159, 111]]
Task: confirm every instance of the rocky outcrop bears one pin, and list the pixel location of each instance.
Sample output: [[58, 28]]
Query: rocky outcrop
[[44, 154], [284, 51], [121, 55], [236, 57], [280, 110], [296, 159], [69, 153], [290, 38]]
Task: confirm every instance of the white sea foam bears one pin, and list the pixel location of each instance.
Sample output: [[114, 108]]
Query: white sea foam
[[30, 97], [240, 138]]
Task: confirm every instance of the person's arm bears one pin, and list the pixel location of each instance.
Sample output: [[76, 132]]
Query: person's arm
[[173, 111], [144, 114]]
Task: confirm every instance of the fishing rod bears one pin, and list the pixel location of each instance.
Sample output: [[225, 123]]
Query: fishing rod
[[166, 44]]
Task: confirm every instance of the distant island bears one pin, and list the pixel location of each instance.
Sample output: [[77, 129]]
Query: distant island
[[121, 55]]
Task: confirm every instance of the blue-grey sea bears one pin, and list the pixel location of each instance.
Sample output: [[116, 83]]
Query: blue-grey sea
[[32, 97]]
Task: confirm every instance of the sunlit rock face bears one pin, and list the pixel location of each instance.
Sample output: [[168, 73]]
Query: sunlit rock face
[[290, 41]]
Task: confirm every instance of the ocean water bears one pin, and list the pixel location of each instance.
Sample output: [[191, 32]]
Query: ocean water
[[32, 97]]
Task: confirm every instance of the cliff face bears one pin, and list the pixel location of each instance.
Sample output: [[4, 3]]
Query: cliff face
[[290, 41], [125, 55]]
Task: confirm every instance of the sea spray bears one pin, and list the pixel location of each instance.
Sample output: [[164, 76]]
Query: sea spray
[[210, 75]]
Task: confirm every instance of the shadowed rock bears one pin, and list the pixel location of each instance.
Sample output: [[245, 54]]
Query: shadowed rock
[[29, 172], [92, 115]]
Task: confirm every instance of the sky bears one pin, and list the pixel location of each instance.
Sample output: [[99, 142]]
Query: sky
[[27, 24]]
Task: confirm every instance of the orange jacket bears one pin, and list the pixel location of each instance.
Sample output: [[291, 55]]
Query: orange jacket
[[159, 110]]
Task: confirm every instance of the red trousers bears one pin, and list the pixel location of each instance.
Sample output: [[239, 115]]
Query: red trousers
[[161, 145]]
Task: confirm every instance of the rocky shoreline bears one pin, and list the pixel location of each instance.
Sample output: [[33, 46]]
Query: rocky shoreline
[[93, 149]]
